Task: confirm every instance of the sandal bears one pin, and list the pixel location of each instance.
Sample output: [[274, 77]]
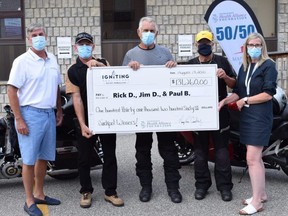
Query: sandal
[[249, 210], [249, 200]]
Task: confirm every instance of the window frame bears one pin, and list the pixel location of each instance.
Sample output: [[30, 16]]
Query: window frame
[[14, 14]]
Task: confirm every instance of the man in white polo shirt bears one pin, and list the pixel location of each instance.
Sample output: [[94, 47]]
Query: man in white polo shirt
[[33, 91]]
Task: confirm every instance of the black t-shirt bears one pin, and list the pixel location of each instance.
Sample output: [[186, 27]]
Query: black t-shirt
[[77, 75], [223, 63]]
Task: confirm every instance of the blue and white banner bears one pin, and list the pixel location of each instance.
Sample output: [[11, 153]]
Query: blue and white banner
[[231, 21]]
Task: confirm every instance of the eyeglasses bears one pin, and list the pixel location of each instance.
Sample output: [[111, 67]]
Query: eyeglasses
[[254, 45]]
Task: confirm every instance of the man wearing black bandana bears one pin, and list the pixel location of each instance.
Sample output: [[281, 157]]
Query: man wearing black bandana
[[226, 77]]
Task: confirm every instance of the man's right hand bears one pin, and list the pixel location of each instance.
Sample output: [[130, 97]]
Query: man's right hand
[[21, 126], [94, 63], [134, 65], [86, 132]]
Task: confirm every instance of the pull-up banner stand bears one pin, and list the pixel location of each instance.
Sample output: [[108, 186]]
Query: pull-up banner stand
[[231, 21]]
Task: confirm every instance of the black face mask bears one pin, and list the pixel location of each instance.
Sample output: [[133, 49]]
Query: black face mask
[[204, 49]]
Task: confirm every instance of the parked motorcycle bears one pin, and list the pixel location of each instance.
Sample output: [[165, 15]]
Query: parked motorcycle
[[65, 164], [275, 155]]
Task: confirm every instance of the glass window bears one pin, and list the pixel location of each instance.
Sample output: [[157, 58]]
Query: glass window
[[265, 11], [10, 5], [12, 22], [10, 28], [12, 34], [120, 18]]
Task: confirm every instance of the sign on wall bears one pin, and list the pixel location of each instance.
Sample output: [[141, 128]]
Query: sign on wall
[[64, 47], [231, 21], [185, 45]]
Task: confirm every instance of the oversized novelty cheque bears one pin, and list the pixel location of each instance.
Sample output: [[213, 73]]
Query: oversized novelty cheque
[[153, 98]]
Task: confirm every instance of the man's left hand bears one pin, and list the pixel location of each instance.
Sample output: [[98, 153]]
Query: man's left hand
[[221, 73], [171, 64]]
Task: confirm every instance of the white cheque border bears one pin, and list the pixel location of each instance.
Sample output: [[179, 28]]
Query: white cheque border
[[153, 98]]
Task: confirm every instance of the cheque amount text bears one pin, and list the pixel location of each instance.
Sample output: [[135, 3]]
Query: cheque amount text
[[189, 81]]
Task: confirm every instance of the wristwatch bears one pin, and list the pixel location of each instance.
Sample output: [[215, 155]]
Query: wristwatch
[[245, 100]]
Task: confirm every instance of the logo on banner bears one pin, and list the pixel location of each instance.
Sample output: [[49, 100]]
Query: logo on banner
[[231, 21]]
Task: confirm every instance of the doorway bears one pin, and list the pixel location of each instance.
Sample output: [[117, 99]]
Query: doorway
[[120, 20]]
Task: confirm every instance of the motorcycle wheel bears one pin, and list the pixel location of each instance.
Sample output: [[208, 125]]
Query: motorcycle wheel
[[186, 153], [65, 176]]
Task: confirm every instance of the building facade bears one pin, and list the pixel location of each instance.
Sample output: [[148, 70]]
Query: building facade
[[113, 24]]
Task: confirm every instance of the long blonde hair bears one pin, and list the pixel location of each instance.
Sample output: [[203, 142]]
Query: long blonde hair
[[264, 54]]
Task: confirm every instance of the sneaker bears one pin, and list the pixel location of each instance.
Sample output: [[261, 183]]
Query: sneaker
[[86, 200], [114, 200]]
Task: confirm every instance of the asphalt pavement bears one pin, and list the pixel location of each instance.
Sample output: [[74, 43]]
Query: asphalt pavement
[[12, 192]]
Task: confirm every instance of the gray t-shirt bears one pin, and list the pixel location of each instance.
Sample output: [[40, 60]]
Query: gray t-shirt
[[159, 55]]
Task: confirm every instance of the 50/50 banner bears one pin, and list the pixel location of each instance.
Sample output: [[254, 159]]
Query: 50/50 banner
[[231, 21]]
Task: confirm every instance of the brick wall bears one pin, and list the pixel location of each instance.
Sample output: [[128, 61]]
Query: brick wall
[[282, 25], [65, 18]]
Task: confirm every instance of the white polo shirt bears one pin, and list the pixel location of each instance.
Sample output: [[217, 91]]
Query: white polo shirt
[[37, 79]]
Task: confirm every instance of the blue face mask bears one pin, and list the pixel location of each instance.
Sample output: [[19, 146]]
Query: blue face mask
[[148, 38], [85, 51], [38, 43], [254, 52]]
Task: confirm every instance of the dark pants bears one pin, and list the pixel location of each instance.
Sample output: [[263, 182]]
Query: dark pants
[[222, 168], [168, 152], [109, 171]]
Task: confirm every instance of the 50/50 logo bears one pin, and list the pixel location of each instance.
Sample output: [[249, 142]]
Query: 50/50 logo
[[230, 33]]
